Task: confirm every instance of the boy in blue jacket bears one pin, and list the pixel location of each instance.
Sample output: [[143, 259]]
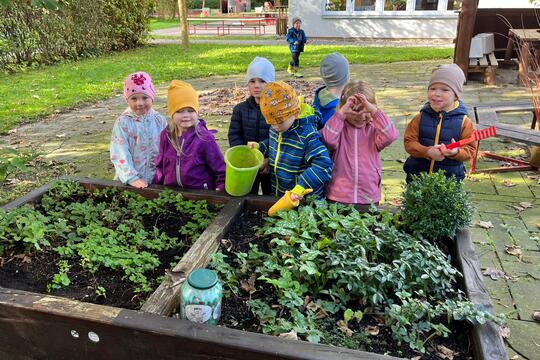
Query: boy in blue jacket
[[335, 74], [296, 38], [298, 159]]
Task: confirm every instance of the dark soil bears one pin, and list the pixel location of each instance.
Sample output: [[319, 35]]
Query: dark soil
[[33, 272], [236, 314]]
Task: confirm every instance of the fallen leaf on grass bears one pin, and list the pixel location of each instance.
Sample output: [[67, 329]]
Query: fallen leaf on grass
[[508, 183], [292, 335], [342, 325], [494, 274], [61, 136], [514, 250], [525, 205], [517, 208], [373, 330], [536, 315], [485, 224], [505, 332], [320, 313], [445, 353], [249, 285]]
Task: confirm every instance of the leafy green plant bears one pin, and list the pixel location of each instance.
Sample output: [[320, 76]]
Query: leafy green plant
[[103, 229], [329, 260], [435, 207], [12, 160]]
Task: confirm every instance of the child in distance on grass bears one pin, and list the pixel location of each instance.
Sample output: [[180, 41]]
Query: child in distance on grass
[[296, 38], [443, 119], [355, 134], [189, 155], [247, 122], [135, 136]]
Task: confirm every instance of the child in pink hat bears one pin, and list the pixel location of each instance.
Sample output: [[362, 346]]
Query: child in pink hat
[[135, 137]]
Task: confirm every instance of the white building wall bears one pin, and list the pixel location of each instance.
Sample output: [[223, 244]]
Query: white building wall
[[317, 24]]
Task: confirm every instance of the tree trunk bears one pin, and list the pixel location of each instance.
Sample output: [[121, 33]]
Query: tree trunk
[[467, 18], [182, 7]]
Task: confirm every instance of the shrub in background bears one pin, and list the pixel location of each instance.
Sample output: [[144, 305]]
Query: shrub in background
[[32, 35], [435, 207]]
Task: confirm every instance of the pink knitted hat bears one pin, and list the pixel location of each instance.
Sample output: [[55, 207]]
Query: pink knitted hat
[[139, 83]]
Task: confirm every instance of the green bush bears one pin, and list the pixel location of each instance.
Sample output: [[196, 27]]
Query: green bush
[[34, 35], [435, 206]]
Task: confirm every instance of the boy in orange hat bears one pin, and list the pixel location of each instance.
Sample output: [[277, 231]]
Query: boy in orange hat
[[298, 159]]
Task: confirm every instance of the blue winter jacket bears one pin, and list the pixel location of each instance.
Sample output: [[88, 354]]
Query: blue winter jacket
[[298, 156], [451, 125], [326, 110], [293, 36]]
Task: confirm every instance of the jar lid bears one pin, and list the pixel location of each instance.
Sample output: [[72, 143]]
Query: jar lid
[[202, 278]]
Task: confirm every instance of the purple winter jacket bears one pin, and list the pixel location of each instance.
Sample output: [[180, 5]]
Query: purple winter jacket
[[200, 164]]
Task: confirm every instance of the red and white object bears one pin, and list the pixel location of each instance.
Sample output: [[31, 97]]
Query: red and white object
[[477, 135]]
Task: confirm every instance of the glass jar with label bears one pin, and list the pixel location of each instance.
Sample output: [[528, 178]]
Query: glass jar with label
[[201, 297]]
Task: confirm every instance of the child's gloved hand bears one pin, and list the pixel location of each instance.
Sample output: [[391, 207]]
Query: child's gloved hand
[[139, 184], [447, 152], [290, 200], [434, 153]]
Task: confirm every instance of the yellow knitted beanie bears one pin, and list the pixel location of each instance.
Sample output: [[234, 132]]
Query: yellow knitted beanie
[[181, 95], [279, 102]]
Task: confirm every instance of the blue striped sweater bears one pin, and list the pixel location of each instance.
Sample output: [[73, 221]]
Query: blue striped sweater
[[298, 156]]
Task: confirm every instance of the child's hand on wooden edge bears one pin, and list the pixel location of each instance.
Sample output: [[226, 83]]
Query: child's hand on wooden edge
[[447, 152], [435, 153], [139, 184]]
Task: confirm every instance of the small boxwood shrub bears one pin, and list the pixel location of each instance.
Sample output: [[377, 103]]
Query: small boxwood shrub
[[435, 207]]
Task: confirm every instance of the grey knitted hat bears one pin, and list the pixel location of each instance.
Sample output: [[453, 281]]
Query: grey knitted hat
[[335, 70], [295, 19], [451, 75]]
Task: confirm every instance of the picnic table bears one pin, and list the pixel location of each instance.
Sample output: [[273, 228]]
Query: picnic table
[[224, 26], [527, 41]]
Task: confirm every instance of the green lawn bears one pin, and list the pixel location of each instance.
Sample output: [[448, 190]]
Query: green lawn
[[29, 94], [157, 24]]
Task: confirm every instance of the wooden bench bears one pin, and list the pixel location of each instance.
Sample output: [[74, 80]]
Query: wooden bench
[[486, 116], [258, 29], [486, 65]]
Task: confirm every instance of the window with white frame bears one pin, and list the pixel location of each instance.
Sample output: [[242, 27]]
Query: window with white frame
[[391, 7]]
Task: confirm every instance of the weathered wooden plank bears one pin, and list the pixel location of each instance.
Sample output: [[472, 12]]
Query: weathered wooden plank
[[167, 297], [487, 343], [213, 197], [38, 326], [483, 61], [527, 136], [493, 60], [33, 196]]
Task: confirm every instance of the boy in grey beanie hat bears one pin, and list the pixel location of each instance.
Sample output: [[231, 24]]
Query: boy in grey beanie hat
[[335, 74], [441, 121], [261, 68], [451, 75], [296, 38]]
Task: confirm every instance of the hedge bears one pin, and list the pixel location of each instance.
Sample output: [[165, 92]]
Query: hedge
[[80, 28]]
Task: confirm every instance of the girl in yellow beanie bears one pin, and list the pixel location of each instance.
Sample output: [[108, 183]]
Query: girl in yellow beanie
[[189, 155]]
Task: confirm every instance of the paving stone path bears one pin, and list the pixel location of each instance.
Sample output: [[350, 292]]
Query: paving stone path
[[82, 136]]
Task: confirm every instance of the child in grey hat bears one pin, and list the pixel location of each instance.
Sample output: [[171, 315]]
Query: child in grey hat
[[335, 74], [441, 121], [296, 38]]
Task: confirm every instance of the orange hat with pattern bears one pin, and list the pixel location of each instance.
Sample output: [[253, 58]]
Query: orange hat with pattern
[[279, 102]]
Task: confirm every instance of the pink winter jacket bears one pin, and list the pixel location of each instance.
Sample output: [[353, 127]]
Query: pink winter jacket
[[356, 178]]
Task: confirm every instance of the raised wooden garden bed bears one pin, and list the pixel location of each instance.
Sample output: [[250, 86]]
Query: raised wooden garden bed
[[36, 325]]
